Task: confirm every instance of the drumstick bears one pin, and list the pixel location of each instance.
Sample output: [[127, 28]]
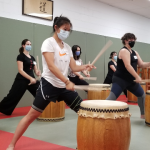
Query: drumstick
[[38, 67], [90, 78], [144, 80], [108, 44], [88, 71], [88, 88]]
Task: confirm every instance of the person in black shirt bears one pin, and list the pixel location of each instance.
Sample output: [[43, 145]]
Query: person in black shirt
[[126, 72], [24, 80], [112, 66]]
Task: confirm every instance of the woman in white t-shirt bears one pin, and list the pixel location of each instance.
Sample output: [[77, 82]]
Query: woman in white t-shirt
[[76, 77], [54, 85]]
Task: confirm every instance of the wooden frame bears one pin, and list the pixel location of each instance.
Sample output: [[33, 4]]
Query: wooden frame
[[38, 8]]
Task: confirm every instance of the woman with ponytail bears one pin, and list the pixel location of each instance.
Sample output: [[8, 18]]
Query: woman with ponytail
[[26, 65]]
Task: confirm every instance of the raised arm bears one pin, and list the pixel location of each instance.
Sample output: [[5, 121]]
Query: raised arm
[[141, 63], [76, 68]]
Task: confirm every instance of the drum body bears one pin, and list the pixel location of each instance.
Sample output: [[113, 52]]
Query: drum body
[[131, 97], [147, 108], [103, 128], [53, 112], [101, 94]]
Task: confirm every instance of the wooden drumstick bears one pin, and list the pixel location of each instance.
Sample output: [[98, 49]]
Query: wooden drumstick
[[144, 80], [90, 78], [89, 88], [108, 44], [87, 70], [38, 66]]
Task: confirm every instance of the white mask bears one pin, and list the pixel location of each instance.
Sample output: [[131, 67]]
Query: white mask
[[63, 34]]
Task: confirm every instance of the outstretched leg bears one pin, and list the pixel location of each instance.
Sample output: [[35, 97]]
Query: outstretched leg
[[138, 91], [22, 126], [115, 92]]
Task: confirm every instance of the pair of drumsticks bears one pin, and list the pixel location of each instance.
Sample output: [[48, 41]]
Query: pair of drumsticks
[[92, 87]]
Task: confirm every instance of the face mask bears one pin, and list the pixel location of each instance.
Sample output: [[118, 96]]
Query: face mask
[[115, 58], [28, 47], [131, 43], [77, 53], [63, 34]]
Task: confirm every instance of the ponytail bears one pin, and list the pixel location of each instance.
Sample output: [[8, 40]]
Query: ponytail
[[21, 49]]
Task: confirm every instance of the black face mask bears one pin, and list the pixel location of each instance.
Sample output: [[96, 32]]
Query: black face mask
[[131, 43]]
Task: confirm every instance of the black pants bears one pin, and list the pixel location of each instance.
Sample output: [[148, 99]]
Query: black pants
[[109, 81], [8, 104]]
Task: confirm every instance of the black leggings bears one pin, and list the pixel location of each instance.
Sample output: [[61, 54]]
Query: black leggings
[[119, 85], [109, 81], [8, 104]]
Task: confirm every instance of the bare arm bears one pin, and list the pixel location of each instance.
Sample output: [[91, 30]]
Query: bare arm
[[83, 71], [141, 63], [76, 68], [125, 56], [113, 68], [77, 74]]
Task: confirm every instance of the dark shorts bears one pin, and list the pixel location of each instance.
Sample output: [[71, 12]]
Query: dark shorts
[[47, 93]]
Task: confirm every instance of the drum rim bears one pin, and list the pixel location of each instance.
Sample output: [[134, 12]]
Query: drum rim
[[147, 92], [104, 110], [143, 83]]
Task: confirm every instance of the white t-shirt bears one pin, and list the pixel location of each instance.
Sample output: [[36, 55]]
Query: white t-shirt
[[61, 60]]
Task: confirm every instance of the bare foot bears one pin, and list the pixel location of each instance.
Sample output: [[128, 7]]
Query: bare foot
[[142, 116], [10, 147]]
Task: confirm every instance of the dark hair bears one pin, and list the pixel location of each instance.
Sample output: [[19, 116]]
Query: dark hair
[[111, 54], [59, 21], [21, 49], [128, 36], [74, 49]]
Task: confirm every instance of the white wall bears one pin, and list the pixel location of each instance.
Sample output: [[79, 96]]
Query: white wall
[[87, 16]]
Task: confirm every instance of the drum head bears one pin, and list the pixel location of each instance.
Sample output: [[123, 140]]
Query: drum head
[[104, 109]]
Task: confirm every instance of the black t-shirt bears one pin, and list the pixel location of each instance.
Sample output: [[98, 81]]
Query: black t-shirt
[[110, 71], [122, 72], [28, 65]]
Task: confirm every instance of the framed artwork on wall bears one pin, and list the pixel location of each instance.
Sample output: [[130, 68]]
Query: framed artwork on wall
[[38, 8]]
